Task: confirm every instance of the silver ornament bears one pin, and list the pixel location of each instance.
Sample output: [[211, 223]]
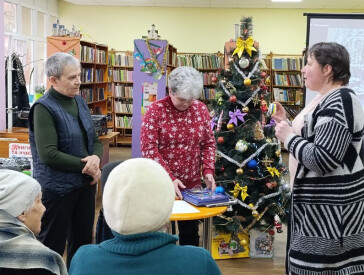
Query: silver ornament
[[243, 62]]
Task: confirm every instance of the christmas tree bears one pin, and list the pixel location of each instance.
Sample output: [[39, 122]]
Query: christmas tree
[[248, 164]]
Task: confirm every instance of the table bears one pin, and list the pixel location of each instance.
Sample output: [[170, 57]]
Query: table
[[206, 213]]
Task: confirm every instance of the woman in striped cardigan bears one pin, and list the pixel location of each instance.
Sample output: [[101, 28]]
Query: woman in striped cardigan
[[326, 232]]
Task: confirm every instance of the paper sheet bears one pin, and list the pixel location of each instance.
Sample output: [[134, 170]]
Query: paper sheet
[[182, 207]]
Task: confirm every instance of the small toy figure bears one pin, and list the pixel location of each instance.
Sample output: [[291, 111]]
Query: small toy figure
[[278, 224]]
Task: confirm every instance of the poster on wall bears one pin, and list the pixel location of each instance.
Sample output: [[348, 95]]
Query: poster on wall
[[149, 91]]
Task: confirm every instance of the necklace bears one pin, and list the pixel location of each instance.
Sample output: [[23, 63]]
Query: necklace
[[64, 42], [153, 56]]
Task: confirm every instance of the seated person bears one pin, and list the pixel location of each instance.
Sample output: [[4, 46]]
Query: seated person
[[138, 200], [21, 210]]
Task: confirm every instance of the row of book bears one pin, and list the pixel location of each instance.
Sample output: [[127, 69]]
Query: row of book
[[122, 91], [208, 93], [172, 58], [288, 79], [120, 75], [121, 107], [87, 75], [124, 122], [290, 63], [207, 78], [293, 96], [92, 96], [87, 54], [100, 56], [198, 61], [99, 77], [121, 59]]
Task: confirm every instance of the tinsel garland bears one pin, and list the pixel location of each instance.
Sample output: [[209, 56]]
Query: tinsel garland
[[240, 165], [240, 102], [255, 68]]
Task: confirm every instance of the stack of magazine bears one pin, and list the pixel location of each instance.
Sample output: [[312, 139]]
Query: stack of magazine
[[201, 197]]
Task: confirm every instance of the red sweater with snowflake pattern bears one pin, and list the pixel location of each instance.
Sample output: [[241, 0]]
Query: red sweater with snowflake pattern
[[181, 141]]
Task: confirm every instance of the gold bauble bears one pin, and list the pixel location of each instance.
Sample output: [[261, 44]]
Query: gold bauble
[[239, 171], [251, 205], [230, 126], [268, 140], [247, 81], [245, 109], [255, 213], [278, 153], [243, 242], [220, 101]]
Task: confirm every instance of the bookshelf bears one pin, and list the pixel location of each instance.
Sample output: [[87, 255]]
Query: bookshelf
[[93, 58], [208, 64], [120, 95], [286, 82]]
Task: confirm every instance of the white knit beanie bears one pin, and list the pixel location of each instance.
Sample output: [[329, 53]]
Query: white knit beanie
[[138, 197], [17, 191]]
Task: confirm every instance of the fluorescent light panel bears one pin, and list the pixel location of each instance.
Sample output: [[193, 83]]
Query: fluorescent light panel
[[286, 0]]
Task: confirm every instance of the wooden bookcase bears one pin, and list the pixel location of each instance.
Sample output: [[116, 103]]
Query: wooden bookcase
[[206, 63], [93, 58], [120, 94], [172, 62], [286, 82]]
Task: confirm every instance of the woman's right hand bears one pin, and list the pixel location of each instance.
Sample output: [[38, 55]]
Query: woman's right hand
[[178, 184], [280, 114]]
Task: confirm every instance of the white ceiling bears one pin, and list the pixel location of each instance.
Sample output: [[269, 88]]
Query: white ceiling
[[250, 4]]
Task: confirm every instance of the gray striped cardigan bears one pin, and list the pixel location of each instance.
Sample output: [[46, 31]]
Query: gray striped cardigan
[[326, 234]]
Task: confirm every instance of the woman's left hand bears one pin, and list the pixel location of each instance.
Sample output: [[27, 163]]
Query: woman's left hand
[[210, 181], [283, 130], [92, 164]]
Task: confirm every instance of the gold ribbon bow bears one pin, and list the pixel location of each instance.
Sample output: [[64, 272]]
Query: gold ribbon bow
[[246, 45], [272, 171], [237, 189]]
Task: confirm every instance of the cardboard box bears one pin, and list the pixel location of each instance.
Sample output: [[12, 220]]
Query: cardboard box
[[230, 246], [261, 244]]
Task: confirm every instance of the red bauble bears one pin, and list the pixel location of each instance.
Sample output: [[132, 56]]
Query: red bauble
[[263, 74], [220, 140], [214, 79], [64, 43], [233, 99], [264, 88], [222, 169]]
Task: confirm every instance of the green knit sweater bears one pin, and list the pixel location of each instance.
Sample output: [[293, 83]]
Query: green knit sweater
[[141, 254], [45, 132]]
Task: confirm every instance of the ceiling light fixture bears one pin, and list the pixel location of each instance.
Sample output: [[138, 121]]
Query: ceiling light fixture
[[286, 0]]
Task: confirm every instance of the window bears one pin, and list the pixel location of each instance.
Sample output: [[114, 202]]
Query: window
[[26, 19], [41, 54], [41, 29], [10, 17]]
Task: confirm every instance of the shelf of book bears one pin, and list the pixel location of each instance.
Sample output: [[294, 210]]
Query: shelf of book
[[286, 82], [208, 64], [120, 82], [93, 58]]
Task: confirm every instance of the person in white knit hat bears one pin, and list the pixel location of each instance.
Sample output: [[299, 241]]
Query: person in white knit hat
[[138, 200], [21, 210]]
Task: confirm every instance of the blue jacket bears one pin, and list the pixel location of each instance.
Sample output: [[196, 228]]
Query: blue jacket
[[141, 254], [70, 138]]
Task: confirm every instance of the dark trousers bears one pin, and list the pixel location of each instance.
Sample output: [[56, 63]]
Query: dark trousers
[[69, 217], [188, 232]]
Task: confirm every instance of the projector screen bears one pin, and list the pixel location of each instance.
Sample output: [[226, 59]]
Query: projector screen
[[347, 30]]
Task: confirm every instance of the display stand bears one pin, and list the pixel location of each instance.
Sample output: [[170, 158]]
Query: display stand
[[149, 83]]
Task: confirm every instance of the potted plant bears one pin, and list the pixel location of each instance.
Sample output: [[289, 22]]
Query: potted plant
[[39, 91]]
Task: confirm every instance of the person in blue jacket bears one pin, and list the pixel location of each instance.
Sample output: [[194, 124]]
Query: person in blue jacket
[[138, 200]]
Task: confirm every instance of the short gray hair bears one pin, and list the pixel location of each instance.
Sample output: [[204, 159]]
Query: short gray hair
[[56, 63], [186, 82]]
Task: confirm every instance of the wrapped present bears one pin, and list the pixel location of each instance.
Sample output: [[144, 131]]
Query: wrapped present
[[261, 244], [230, 246]]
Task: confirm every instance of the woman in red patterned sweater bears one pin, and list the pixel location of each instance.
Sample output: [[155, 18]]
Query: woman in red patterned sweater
[[176, 133]]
